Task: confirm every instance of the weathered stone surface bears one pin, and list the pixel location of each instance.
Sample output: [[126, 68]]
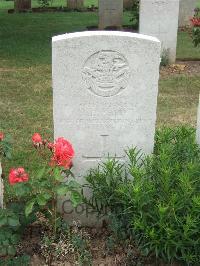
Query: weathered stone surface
[[110, 13], [21, 5], [75, 4], [105, 86], [186, 11], [159, 18]]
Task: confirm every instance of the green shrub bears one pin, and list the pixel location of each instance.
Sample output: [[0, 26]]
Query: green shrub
[[165, 57], [135, 13], [17, 261], [156, 198], [196, 28]]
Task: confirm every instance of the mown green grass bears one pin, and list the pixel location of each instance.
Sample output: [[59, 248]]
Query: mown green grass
[[185, 47], [25, 78], [26, 37]]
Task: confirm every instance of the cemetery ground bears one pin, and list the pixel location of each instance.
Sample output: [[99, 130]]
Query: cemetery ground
[[26, 94]]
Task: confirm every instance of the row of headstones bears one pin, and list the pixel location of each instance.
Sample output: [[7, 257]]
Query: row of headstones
[[71, 4], [158, 18], [186, 7]]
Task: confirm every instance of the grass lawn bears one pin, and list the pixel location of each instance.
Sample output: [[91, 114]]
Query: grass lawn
[[25, 78]]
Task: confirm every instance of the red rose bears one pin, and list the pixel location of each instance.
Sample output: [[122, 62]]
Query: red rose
[[1, 136], [195, 22], [17, 175], [36, 138], [63, 153]]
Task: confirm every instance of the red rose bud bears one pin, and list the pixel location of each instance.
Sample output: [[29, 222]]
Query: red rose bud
[[50, 146], [63, 153], [37, 139], [17, 175], [1, 136], [44, 142]]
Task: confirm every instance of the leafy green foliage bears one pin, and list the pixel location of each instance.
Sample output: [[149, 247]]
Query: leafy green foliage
[[104, 181], [157, 201], [47, 186], [135, 13], [9, 237], [196, 36], [5, 147], [165, 57], [80, 244], [43, 3], [17, 261], [196, 28]]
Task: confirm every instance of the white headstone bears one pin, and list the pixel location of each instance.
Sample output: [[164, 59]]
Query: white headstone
[[198, 124], [105, 86], [159, 18], [186, 11], [110, 13]]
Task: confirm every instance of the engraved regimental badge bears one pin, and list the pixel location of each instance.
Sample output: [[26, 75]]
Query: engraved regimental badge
[[106, 73]]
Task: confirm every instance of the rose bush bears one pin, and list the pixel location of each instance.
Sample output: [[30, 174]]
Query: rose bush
[[41, 191], [195, 21]]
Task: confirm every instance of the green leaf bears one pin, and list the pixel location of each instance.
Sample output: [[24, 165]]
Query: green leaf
[[41, 200], [22, 189], [72, 184], [47, 195], [14, 239], [62, 190], [57, 174], [75, 198], [6, 242], [29, 207], [41, 172], [11, 251], [3, 251], [3, 220], [13, 221]]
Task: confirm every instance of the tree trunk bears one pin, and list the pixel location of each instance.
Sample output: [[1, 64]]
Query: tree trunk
[[128, 4], [75, 4], [21, 5]]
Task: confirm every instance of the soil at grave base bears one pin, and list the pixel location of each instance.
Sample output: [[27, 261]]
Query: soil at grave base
[[185, 67], [31, 245]]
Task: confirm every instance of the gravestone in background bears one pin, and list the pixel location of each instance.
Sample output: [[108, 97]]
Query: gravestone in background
[[110, 13], [21, 5], [186, 11], [105, 86], [75, 4], [159, 18]]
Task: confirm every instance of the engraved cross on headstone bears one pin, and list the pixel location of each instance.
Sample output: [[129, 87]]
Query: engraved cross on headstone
[[104, 153]]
